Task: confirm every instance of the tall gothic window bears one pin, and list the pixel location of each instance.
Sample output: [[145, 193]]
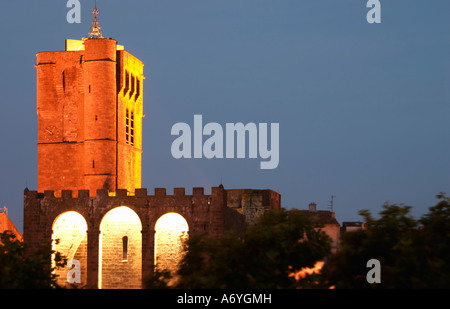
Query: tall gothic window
[[129, 127]]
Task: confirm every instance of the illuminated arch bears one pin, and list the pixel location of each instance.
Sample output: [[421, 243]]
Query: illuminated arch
[[171, 230], [69, 238], [120, 249]]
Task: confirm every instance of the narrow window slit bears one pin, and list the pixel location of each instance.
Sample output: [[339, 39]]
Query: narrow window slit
[[124, 248], [64, 80]]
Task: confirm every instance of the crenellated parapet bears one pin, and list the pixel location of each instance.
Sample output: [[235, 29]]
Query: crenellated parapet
[[212, 213], [198, 208]]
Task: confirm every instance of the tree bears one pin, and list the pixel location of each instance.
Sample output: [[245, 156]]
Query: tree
[[412, 253], [281, 243], [284, 242], [19, 270], [435, 244]]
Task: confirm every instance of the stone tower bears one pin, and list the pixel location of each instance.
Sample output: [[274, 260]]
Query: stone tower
[[90, 109]]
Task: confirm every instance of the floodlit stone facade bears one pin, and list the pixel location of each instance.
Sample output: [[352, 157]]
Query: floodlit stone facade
[[89, 109]]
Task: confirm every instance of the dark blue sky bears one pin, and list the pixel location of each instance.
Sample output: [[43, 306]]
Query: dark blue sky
[[363, 108]]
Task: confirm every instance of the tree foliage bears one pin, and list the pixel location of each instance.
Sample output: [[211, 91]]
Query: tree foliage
[[412, 253], [280, 243], [19, 270]]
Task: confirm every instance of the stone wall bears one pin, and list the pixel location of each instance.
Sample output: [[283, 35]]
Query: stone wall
[[203, 213], [210, 214], [253, 203]]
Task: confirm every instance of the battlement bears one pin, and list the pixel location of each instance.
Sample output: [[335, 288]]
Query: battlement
[[199, 209], [120, 193]]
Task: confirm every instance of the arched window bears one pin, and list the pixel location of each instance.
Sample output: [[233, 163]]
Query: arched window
[[69, 238], [171, 230], [120, 249]]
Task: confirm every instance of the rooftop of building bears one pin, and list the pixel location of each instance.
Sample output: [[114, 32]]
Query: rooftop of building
[[323, 216], [7, 225]]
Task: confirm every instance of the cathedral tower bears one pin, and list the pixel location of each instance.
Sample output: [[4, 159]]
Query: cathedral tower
[[90, 109]]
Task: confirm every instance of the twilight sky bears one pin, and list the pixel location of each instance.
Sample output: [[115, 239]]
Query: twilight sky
[[363, 109]]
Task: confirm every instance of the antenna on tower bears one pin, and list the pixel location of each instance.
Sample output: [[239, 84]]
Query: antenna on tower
[[331, 203], [96, 30]]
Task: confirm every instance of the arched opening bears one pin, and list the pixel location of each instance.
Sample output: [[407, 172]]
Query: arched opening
[[69, 238], [171, 230], [120, 250]]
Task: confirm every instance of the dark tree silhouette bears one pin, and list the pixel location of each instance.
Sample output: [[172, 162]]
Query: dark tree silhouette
[[19, 270]]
